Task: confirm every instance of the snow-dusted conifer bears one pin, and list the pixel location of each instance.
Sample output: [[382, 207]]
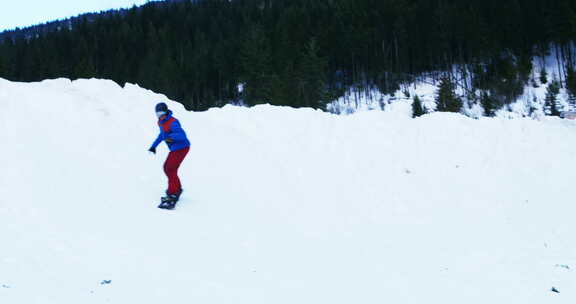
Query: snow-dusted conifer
[[446, 97], [417, 108], [552, 92], [543, 76], [571, 86], [488, 103]]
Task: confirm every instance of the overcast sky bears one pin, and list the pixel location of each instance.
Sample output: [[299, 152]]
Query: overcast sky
[[22, 13]]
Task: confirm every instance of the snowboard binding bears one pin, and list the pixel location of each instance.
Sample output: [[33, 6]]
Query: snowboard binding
[[169, 201]]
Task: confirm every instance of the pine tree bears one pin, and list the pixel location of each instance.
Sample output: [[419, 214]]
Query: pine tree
[[571, 86], [488, 104], [446, 98], [572, 102], [543, 76], [551, 99], [311, 84], [417, 108], [85, 69], [257, 71]]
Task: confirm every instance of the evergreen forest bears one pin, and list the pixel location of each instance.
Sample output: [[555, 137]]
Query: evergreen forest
[[304, 53]]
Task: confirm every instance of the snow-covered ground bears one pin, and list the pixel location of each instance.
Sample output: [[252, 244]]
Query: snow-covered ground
[[281, 205]]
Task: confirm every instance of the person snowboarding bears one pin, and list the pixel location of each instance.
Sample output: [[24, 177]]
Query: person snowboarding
[[172, 133]]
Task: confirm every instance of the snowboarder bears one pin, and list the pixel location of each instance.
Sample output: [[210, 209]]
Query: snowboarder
[[172, 133]]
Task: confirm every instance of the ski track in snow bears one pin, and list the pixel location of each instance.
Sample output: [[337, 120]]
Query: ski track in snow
[[280, 205]]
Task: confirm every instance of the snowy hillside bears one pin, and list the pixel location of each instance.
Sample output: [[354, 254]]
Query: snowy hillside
[[280, 205], [426, 88]]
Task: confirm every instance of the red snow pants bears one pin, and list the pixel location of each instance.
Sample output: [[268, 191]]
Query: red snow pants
[[171, 166]]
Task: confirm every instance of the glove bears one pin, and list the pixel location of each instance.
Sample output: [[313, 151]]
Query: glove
[[169, 140], [153, 150]]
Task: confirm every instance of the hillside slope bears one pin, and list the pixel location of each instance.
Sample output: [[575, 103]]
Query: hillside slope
[[280, 205]]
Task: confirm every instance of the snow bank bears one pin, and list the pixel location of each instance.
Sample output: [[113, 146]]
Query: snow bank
[[280, 205]]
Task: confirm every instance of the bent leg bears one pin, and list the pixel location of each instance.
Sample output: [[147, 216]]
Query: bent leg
[[171, 166]]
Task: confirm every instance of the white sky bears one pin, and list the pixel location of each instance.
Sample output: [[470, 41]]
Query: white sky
[[22, 13]]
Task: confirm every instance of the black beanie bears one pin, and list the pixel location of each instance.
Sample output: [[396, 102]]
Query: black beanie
[[161, 107]]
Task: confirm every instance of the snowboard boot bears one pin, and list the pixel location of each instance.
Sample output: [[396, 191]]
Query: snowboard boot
[[174, 195], [168, 202]]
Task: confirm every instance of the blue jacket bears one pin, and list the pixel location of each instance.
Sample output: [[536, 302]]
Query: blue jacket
[[170, 128]]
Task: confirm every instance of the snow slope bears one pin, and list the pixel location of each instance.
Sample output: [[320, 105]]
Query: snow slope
[[281, 205]]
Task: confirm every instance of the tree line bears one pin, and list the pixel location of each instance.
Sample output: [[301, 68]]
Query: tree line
[[303, 53]]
